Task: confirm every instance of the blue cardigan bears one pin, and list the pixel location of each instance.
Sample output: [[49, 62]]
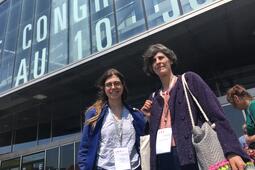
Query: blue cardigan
[[87, 155], [181, 122]]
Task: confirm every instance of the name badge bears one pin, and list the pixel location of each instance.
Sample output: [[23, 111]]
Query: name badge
[[121, 157], [164, 139]]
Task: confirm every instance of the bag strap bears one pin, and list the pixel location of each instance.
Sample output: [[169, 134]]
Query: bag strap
[[153, 95], [186, 88]]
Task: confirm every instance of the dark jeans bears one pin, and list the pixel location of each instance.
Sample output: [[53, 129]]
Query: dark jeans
[[170, 161]]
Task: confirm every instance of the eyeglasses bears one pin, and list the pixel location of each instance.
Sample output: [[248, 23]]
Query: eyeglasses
[[114, 83]]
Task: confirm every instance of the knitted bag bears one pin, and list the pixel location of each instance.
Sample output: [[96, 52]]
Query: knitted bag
[[205, 140]]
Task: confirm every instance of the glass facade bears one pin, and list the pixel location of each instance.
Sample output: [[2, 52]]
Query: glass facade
[[23, 49], [39, 125], [79, 30], [58, 34], [63, 157], [9, 44], [67, 157], [52, 159], [33, 162], [130, 18], [40, 44], [12, 164], [38, 37]]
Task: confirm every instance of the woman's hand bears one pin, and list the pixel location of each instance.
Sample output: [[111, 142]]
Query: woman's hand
[[236, 162], [146, 109]]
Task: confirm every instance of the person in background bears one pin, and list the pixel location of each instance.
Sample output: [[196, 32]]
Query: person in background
[[167, 112], [241, 99], [242, 139], [245, 145], [110, 138]]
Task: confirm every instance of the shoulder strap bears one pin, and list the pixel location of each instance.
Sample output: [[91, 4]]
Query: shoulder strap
[[186, 88], [153, 94]]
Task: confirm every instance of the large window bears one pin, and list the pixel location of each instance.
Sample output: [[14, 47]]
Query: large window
[[103, 24], [52, 159], [21, 71], [58, 34], [161, 11], [189, 5], [41, 36], [12, 164], [62, 157], [33, 162], [130, 18], [40, 49], [40, 125], [77, 147], [9, 48], [4, 11], [67, 157], [79, 42]]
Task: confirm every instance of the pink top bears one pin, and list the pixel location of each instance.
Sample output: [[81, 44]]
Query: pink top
[[165, 121]]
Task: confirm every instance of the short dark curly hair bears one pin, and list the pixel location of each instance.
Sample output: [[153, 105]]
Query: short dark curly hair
[[151, 52]]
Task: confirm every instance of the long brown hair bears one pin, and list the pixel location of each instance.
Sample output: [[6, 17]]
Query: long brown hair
[[102, 97]]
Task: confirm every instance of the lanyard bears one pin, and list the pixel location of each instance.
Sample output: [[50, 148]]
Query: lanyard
[[118, 126]]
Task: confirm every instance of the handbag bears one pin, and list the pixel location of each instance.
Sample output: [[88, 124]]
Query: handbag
[[145, 152], [204, 139]]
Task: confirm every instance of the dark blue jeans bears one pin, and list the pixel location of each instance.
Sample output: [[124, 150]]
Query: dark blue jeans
[[170, 161]]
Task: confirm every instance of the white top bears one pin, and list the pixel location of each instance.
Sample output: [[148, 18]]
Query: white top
[[111, 132]]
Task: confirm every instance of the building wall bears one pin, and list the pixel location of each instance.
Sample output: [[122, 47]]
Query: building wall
[[38, 37]]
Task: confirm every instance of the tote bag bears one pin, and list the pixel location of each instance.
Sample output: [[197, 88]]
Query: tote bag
[[145, 152]]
